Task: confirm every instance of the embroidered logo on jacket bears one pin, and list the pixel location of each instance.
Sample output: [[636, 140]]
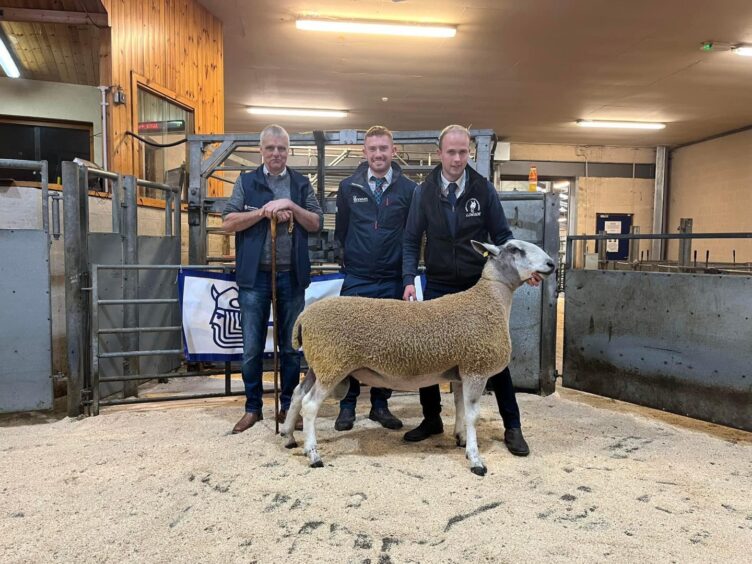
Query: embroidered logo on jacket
[[472, 208], [361, 200]]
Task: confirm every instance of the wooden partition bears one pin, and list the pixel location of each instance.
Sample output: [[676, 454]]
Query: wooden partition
[[173, 47]]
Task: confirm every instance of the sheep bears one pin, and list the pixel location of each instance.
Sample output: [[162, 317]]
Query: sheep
[[460, 338]]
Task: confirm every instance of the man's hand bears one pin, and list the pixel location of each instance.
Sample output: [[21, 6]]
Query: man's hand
[[284, 216], [410, 295], [275, 206], [534, 280]]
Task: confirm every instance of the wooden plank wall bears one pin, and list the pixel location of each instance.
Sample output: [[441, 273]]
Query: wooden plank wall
[[176, 46]]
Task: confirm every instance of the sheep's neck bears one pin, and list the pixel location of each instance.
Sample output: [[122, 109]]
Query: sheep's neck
[[495, 290]]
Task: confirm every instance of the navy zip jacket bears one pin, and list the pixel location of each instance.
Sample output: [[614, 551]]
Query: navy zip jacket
[[249, 244], [450, 259], [371, 234]]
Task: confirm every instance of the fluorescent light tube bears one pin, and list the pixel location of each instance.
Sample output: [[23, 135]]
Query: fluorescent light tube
[[7, 62], [620, 124], [299, 112], [377, 28], [743, 50]]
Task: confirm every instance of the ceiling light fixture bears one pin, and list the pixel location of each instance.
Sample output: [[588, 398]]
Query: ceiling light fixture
[[376, 28], [743, 50], [297, 112], [7, 62], [620, 124]]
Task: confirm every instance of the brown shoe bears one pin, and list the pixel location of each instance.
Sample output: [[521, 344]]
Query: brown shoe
[[246, 422], [282, 415]]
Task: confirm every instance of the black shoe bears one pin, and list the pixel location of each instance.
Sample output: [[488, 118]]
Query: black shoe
[[427, 427], [384, 416], [516, 442], [345, 419]]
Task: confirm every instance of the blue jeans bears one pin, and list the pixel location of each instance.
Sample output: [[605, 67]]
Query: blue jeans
[[368, 288], [430, 397], [255, 305]]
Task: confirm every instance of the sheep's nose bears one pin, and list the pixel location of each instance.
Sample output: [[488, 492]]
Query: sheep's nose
[[550, 263]]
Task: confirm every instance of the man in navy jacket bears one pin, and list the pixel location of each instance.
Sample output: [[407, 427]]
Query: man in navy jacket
[[454, 205], [372, 207], [271, 190]]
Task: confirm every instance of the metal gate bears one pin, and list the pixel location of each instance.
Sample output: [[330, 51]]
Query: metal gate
[[532, 321], [112, 342], [25, 318]]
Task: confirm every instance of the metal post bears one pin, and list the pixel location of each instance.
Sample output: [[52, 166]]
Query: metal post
[[321, 165], [685, 245], [659, 200], [130, 282], [547, 353], [45, 197], [196, 216], [169, 198], [602, 251], [484, 146], [117, 211], [76, 278], [634, 244], [56, 215], [94, 341]]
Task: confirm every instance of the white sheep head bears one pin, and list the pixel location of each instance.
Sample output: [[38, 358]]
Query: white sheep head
[[514, 262]]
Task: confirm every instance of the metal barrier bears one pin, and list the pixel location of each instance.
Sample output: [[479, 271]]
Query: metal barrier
[[134, 352], [83, 248], [25, 311], [666, 335]]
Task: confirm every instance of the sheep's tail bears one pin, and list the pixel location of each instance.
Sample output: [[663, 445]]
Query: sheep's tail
[[297, 334]]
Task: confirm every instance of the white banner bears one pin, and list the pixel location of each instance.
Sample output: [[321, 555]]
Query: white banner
[[211, 313]]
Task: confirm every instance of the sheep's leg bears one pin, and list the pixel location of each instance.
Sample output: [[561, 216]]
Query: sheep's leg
[[288, 427], [459, 414], [311, 404], [473, 390], [340, 390]]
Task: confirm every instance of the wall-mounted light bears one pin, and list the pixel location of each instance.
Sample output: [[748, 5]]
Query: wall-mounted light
[[7, 62], [742, 50], [620, 124], [297, 112], [377, 28]]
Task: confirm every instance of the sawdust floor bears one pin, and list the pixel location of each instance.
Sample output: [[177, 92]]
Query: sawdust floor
[[606, 481]]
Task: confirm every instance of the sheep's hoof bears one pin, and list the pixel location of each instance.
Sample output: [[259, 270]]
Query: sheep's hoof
[[318, 464], [479, 470], [460, 441], [291, 444]]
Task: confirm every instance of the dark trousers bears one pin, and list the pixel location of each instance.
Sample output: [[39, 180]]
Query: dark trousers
[[430, 397], [369, 288], [255, 305]]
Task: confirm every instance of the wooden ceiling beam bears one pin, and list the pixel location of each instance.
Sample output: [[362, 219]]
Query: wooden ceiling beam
[[53, 16]]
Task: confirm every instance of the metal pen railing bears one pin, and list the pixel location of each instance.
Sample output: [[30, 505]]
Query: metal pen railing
[[131, 345]]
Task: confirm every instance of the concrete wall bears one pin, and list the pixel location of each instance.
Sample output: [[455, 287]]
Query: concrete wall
[[615, 195], [711, 182], [581, 153], [596, 194], [54, 101]]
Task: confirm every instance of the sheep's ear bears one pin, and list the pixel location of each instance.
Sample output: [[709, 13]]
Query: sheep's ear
[[485, 248]]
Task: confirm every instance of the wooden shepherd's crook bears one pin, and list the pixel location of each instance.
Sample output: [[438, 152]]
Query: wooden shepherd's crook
[[274, 316], [274, 323]]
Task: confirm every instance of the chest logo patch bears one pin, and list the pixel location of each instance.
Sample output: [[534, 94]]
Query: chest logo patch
[[361, 200], [472, 208]]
